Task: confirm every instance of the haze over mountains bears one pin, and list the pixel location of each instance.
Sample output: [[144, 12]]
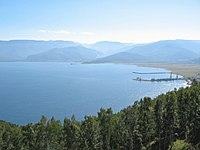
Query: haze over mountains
[[109, 47], [18, 50], [161, 51], [100, 52], [67, 54]]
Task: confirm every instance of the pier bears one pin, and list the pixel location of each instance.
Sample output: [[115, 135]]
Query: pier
[[160, 79], [152, 72]]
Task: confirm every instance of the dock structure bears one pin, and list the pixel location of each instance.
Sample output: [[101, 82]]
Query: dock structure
[[158, 80], [152, 72]]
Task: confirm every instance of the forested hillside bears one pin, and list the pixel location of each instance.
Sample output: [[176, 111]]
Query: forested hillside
[[170, 121]]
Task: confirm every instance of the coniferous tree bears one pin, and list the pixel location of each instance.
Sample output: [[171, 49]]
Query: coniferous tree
[[54, 134], [28, 137], [41, 134], [120, 134], [158, 110], [170, 120], [146, 121], [195, 114], [183, 113], [105, 120], [137, 140], [90, 134], [71, 133]]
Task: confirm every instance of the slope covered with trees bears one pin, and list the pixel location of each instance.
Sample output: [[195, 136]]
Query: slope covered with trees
[[170, 121]]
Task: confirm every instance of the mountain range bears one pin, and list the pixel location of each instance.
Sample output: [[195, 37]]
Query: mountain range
[[109, 48], [19, 50], [100, 52], [161, 51], [67, 54]]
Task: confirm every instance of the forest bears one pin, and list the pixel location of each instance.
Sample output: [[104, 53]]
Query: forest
[[170, 121]]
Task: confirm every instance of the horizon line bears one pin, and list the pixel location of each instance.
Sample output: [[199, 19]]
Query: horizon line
[[23, 39]]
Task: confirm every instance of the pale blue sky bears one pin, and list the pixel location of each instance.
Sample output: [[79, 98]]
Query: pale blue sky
[[89, 21]]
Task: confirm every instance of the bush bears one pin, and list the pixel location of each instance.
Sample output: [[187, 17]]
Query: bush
[[180, 145]]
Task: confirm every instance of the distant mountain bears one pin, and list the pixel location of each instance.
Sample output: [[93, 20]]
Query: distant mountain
[[17, 50], [67, 54], [195, 61], [161, 51], [108, 47], [168, 47], [121, 57]]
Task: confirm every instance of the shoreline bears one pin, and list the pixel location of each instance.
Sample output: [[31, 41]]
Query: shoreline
[[189, 72], [185, 70]]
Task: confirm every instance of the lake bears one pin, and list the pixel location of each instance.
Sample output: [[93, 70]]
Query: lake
[[29, 90]]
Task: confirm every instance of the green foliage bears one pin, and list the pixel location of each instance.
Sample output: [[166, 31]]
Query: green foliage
[[11, 136], [180, 145], [71, 133], [106, 125], [90, 135], [170, 121]]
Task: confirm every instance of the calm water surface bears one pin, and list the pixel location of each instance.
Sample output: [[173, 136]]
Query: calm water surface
[[29, 90]]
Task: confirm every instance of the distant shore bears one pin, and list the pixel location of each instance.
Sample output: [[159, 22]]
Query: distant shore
[[185, 70]]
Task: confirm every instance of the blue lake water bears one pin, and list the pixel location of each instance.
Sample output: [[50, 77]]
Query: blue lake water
[[29, 90]]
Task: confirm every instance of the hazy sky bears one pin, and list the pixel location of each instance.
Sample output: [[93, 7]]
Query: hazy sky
[[89, 21]]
